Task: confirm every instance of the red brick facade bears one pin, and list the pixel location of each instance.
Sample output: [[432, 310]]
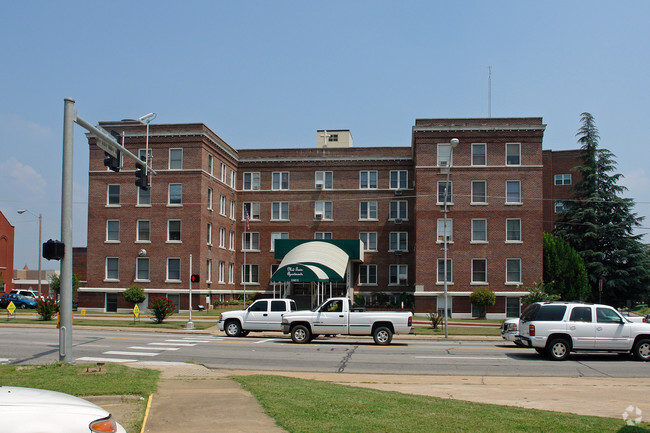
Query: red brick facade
[[6, 253], [292, 211]]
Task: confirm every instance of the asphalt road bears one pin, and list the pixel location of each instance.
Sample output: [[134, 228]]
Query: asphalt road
[[407, 355]]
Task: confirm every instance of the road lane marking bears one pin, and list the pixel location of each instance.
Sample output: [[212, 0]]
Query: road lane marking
[[91, 359], [482, 358], [183, 341], [118, 352], [266, 341], [173, 344], [153, 348]]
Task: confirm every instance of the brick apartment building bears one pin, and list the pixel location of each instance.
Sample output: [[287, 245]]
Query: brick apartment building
[[6, 254], [241, 213]]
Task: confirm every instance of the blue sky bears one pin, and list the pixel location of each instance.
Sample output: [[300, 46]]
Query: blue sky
[[270, 73]]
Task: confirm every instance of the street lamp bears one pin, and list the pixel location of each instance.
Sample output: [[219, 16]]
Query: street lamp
[[40, 244], [146, 119], [453, 144]]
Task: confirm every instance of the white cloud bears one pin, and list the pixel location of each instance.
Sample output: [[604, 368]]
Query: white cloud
[[21, 178], [15, 126]]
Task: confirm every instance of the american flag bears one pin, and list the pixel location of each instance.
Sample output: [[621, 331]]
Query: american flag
[[247, 218]]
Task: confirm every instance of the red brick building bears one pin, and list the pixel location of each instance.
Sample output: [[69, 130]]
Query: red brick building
[[6, 254], [387, 197]]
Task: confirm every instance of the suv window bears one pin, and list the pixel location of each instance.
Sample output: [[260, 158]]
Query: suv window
[[278, 306], [548, 313], [605, 315], [581, 314], [258, 306]]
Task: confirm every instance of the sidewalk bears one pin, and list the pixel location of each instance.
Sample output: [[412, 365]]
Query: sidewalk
[[194, 398]]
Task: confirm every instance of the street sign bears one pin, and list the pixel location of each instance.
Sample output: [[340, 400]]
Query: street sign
[[136, 310], [11, 308]]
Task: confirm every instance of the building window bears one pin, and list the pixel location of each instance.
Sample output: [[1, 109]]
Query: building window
[[250, 274], [113, 195], [479, 271], [209, 199], [559, 206], [113, 231], [398, 241], [368, 210], [479, 192], [513, 191], [174, 230], [173, 269], [368, 180], [398, 210], [222, 272], [479, 154], [222, 205], [441, 271], [231, 273], [278, 235], [232, 209], [333, 137], [324, 179], [441, 193], [280, 180], [175, 159], [222, 237], [369, 240], [513, 271], [398, 275], [223, 173], [513, 230], [112, 268], [449, 233], [211, 164], [323, 210], [252, 209], [479, 230], [445, 155], [144, 197], [175, 194], [251, 181], [251, 241], [233, 179], [280, 210], [144, 231], [142, 268], [231, 243], [322, 235], [513, 309], [513, 154], [209, 234], [399, 179], [367, 274], [563, 179]]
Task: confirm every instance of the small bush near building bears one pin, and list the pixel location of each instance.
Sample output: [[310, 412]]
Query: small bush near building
[[134, 294], [436, 319], [161, 308], [482, 298], [47, 307]]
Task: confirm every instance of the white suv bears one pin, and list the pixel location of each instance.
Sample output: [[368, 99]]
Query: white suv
[[557, 328]]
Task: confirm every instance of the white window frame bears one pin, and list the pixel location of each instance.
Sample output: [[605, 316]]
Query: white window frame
[[247, 271], [396, 181], [222, 273], [222, 205], [440, 231], [485, 280], [562, 179], [254, 210], [210, 195], [324, 208], [209, 234], [280, 211], [508, 202], [211, 164], [222, 237], [108, 223], [398, 239], [231, 273], [138, 261], [138, 239], [233, 212], [254, 181], [108, 195], [180, 273], [250, 240], [518, 154], [485, 196], [440, 269], [117, 269], [370, 240], [278, 235], [174, 150], [513, 260], [398, 275], [369, 179], [231, 241], [440, 196], [233, 179], [169, 194], [369, 214], [323, 235], [474, 153], [280, 181], [474, 240], [325, 179], [398, 209], [368, 272], [558, 206], [514, 241], [224, 175], [144, 197], [441, 154], [180, 231]]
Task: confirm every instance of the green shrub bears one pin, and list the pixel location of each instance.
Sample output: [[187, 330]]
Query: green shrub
[[161, 308], [134, 294], [47, 307], [482, 298]]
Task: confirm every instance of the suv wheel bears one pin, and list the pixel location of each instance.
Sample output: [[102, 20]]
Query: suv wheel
[[233, 328], [558, 349], [642, 350]]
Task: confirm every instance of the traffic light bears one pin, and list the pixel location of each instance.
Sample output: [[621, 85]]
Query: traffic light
[[141, 178], [195, 278], [112, 162], [53, 250]]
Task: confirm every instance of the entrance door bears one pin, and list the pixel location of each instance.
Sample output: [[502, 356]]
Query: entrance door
[[111, 302]]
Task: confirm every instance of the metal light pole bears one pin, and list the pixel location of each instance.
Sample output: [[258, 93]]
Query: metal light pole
[[453, 144], [40, 244]]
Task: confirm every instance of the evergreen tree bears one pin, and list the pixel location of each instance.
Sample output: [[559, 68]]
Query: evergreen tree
[[564, 270], [598, 223]]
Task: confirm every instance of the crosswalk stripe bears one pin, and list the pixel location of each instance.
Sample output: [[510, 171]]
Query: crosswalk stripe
[[173, 344], [153, 348], [117, 352], [185, 341]]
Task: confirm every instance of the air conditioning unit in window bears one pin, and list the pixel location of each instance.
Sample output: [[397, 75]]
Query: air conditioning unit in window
[[402, 279], [319, 216], [443, 163], [398, 192], [319, 185], [398, 252], [398, 220]]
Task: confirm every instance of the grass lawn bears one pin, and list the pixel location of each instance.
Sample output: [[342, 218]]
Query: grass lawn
[[308, 406], [114, 379]]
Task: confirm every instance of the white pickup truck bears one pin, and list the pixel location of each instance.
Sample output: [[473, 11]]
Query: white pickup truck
[[336, 316], [261, 315]]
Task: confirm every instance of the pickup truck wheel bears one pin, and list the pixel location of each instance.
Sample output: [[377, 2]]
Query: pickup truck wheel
[[642, 350], [382, 335], [233, 328], [300, 334], [558, 349]]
